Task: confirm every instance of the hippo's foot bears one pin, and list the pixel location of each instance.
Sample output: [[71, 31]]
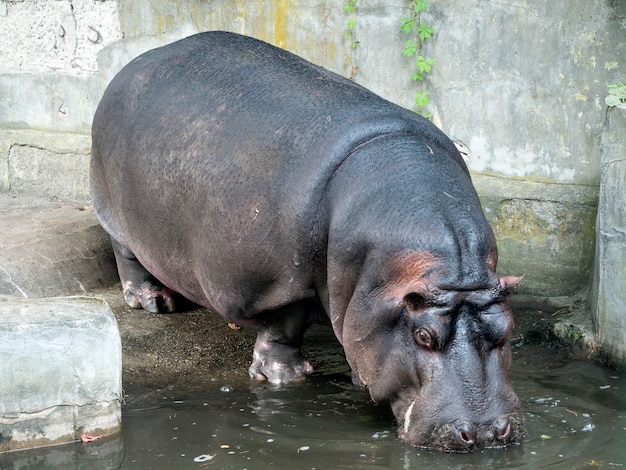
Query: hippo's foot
[[277, 357], [278, 363], [141, 289], [150, 296]]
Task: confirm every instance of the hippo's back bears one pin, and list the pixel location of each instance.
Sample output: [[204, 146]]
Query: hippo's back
[[218, 148]]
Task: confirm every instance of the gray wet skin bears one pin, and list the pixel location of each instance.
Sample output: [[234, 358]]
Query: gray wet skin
[[276, 193]]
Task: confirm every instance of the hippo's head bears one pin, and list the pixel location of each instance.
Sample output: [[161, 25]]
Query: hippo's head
[[439, 353]]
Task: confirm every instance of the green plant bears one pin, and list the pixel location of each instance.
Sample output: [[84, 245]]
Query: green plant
[[413, 47], [617, 94], [350, 9]]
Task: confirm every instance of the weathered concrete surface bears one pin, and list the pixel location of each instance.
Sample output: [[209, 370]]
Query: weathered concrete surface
[[544, 231], [45, 164], [60, 371], [609, 286], [522, 83], [52, 248], [48, 50]]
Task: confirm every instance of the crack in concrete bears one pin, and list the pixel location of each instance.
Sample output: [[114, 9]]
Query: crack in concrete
[[13, 283]]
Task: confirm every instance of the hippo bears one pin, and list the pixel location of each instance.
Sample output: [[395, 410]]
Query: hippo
[[276, 193]]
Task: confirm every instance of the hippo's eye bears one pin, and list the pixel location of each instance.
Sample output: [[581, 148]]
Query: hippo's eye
[[423, 338]]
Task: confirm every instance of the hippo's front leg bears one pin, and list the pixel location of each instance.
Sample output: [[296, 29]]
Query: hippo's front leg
[[277, 357]]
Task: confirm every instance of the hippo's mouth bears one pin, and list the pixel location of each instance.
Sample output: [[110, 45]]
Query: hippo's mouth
[[464, 436], [461, 436]]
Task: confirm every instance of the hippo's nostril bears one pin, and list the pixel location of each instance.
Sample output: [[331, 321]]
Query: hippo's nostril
[[466, 433], [465, 437], [503, 428]]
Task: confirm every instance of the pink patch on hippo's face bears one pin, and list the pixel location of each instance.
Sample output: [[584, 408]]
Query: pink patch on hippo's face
[[406, 274]]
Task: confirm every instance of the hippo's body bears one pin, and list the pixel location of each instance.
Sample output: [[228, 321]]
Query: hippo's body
[[277, 193]]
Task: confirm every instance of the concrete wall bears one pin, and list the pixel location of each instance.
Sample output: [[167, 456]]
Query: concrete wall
[[520, 83]]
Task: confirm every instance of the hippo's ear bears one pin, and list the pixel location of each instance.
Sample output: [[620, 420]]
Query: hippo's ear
[[508, 284], [415, 295]]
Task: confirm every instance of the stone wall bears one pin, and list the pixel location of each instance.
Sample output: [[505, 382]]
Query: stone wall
[[520, 84]]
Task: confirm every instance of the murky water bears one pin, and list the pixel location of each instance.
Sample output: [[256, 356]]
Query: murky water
[[575, 416]]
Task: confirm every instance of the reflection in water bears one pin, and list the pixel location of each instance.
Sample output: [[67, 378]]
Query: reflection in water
[[575, 415]]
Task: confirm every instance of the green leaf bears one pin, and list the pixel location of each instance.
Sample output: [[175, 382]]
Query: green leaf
[[424, 64], [407, 25], [421, 99], [410, 48], [617, 94], [545, 436], [424, 31], [420, 6], [351, 24], [612, 100]]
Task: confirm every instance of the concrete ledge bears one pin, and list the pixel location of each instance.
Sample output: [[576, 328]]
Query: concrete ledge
[[51, 248], [60, 371]]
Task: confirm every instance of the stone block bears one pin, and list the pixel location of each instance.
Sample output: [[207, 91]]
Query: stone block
[[48, 101], [45, 164], [60, 371]]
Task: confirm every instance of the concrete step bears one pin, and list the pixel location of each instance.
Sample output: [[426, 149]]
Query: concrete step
[[60, 371], [51, 248]]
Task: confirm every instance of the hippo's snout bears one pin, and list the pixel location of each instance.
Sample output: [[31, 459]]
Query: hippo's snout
[[464, 436]]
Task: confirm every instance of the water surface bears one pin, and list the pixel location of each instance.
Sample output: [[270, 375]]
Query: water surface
[[575, 415]]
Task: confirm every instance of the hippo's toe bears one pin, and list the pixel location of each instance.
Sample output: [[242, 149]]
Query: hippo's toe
[[150, 297]]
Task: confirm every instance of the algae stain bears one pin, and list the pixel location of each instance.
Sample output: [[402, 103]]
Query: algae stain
[[517, 220], [281, 8]]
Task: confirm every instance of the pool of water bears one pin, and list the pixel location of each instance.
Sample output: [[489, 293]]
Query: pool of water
[[575, 415]]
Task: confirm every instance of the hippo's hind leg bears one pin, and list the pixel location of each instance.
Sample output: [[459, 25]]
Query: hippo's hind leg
[[277, 357], [141, 289]]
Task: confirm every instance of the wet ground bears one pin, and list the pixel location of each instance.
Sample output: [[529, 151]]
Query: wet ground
[[190, 404]]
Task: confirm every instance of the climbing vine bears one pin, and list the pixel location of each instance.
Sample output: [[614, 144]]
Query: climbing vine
[[418, 33], [350, 9]]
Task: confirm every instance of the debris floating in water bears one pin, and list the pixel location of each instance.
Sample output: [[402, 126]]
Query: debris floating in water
[[204, 458], [303, 449], [226, 389]]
